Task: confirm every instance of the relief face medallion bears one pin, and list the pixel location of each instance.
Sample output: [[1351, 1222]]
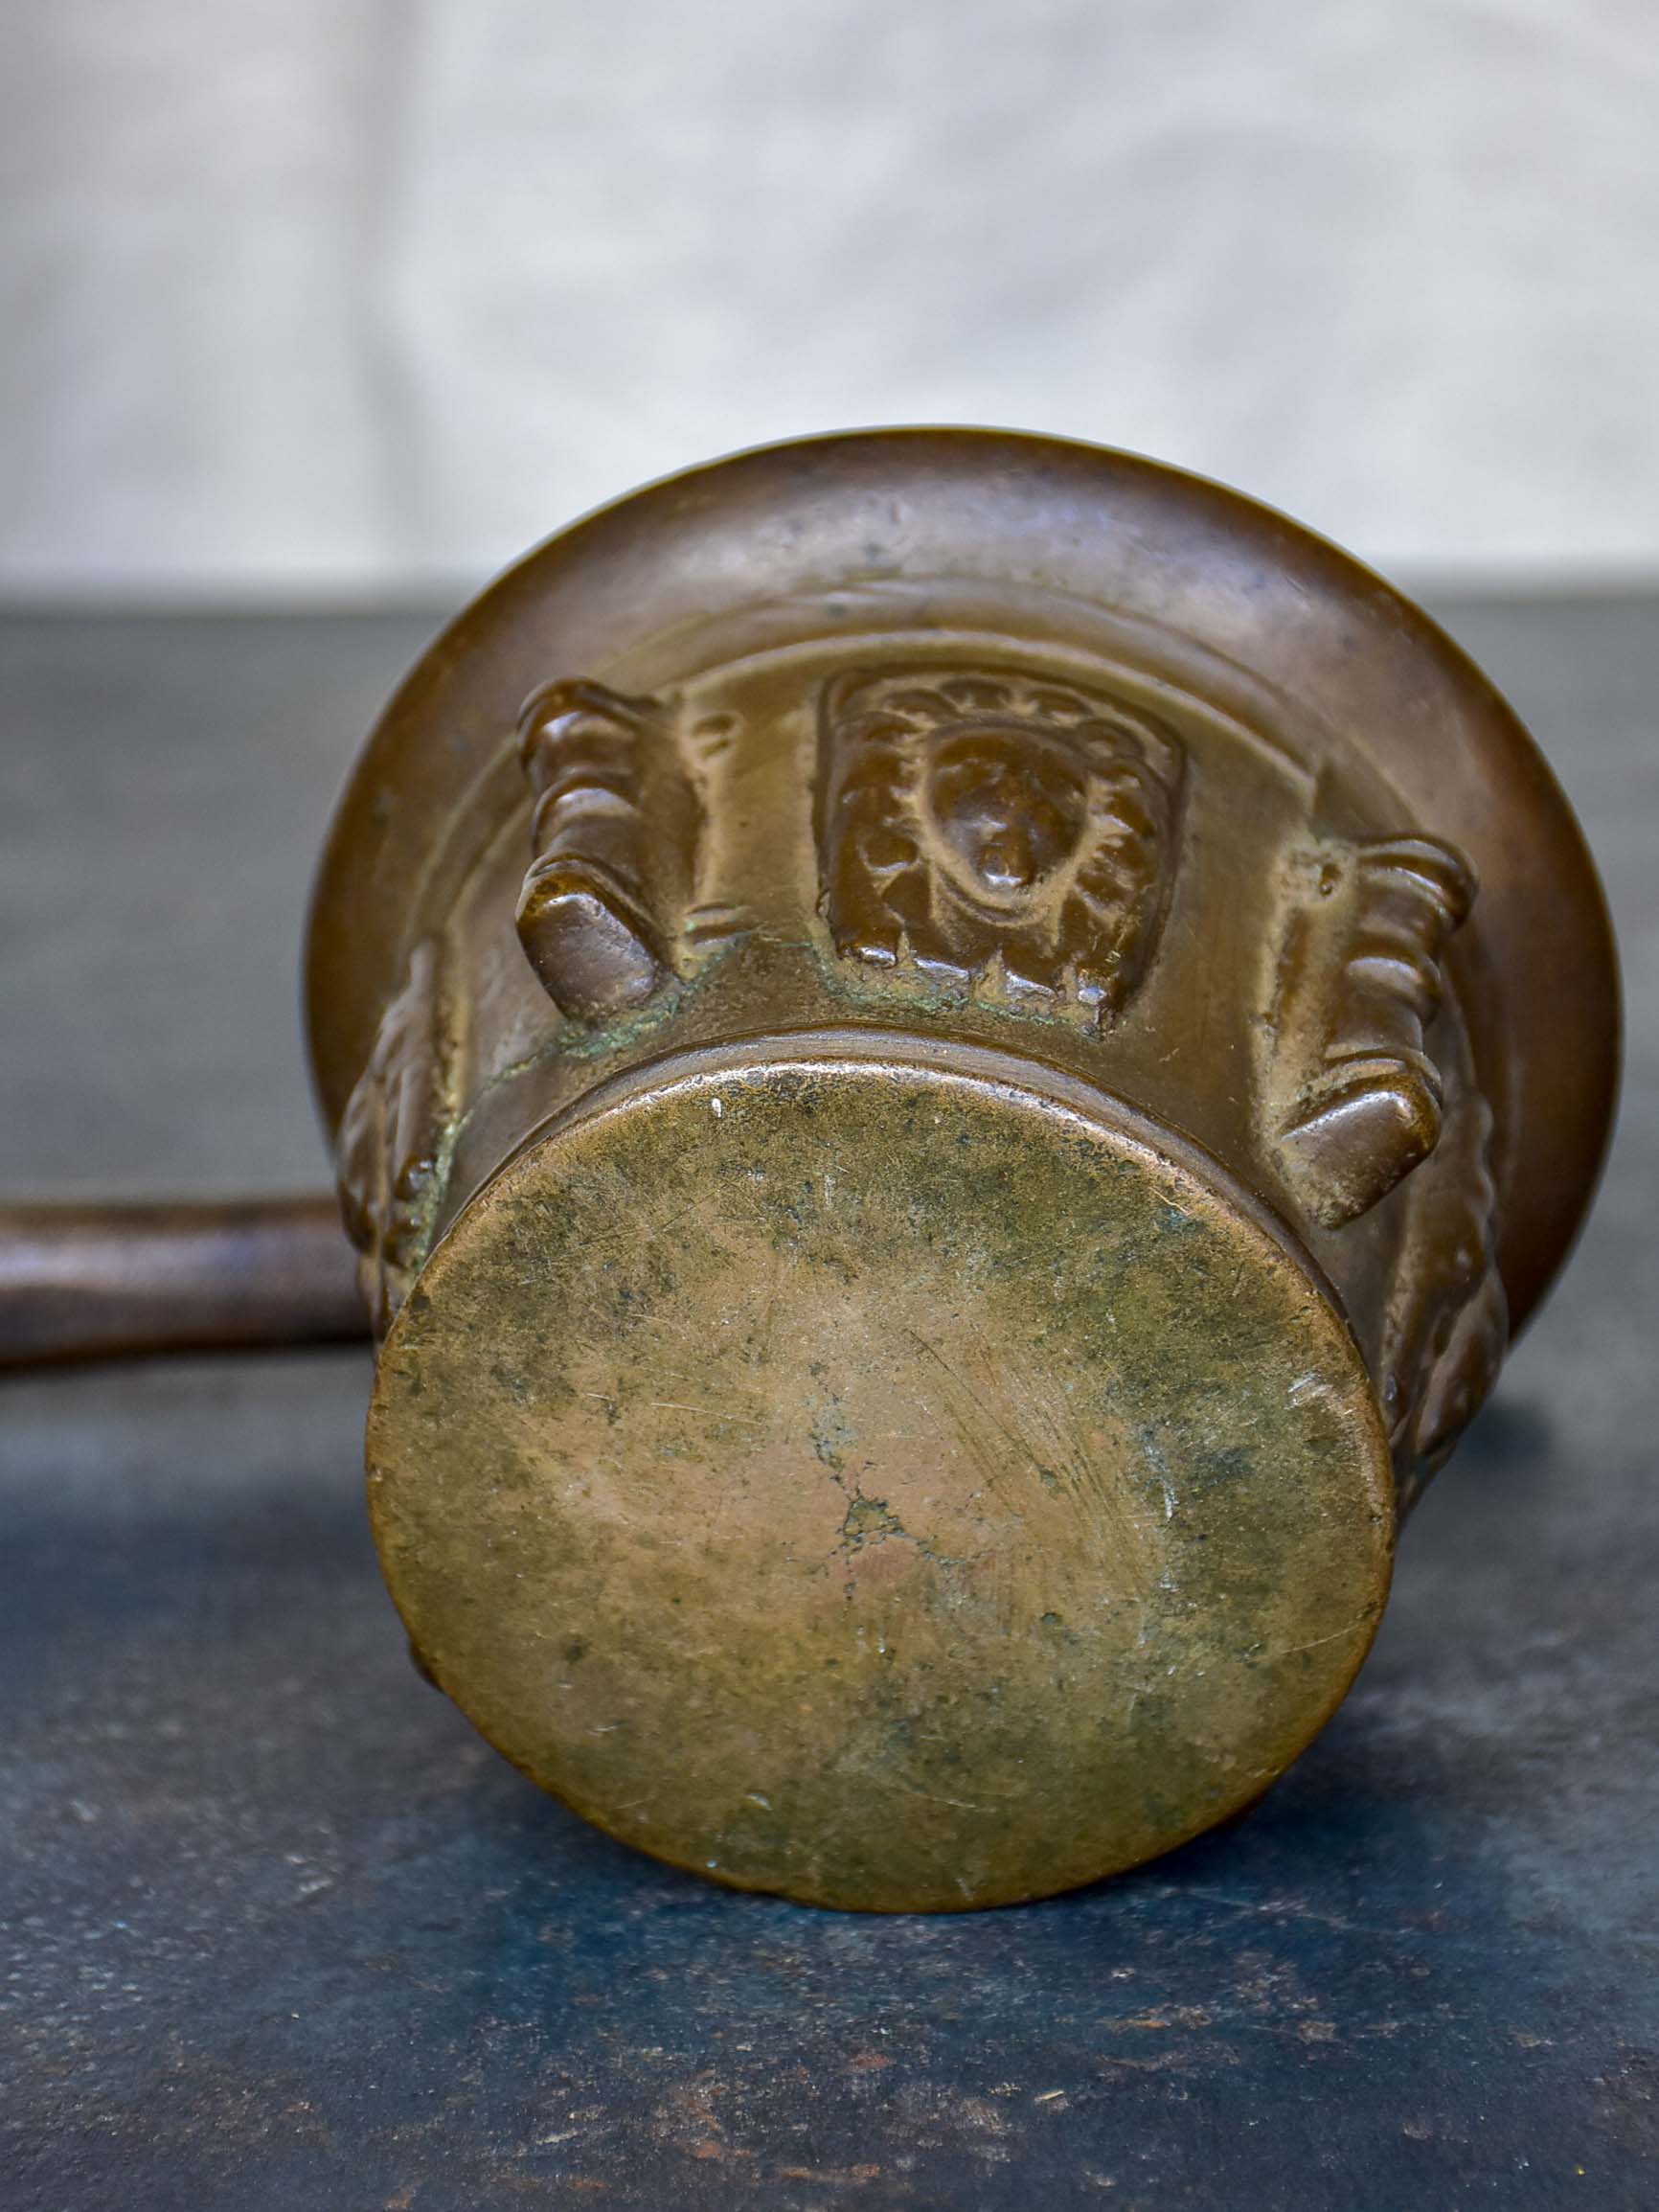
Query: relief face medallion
[[977, 817]]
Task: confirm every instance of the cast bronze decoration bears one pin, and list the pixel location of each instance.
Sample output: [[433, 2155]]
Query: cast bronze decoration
[[952, 1058]]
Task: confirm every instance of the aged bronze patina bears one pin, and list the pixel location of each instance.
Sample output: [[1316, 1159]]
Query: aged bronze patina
[[952, 1058]]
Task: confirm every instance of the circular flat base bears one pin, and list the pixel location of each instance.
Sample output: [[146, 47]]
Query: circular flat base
[[892, 1479]]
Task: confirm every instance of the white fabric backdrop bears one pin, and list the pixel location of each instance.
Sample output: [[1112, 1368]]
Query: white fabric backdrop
[[331, 294]]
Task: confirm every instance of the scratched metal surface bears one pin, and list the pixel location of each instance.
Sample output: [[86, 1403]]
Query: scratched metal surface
[[284, 1935]]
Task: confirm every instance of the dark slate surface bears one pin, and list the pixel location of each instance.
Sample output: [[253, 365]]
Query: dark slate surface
[[283, 1934]]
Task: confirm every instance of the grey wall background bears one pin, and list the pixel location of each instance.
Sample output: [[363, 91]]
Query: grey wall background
[[332, 296]]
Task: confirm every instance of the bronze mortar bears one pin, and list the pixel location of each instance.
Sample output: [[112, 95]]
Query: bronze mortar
[[953, 1057]]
